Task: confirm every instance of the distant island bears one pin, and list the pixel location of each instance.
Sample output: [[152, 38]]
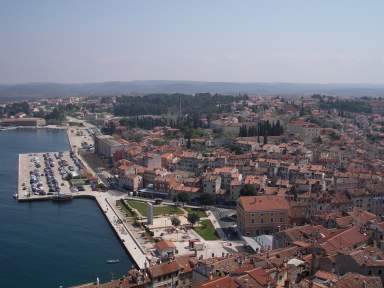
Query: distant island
[[43, 90]]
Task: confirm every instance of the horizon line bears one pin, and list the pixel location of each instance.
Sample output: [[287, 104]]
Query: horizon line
[[192, 81]]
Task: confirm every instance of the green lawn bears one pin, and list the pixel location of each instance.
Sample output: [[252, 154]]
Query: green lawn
[[199, 212], [157, 209], [206, 230]]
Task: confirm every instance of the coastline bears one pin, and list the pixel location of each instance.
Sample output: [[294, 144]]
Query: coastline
[[49, 127], [128, 241]]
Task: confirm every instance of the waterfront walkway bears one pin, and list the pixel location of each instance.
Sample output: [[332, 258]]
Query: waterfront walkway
[[106, 202]]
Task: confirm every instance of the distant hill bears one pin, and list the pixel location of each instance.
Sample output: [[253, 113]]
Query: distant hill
[[37, 90]]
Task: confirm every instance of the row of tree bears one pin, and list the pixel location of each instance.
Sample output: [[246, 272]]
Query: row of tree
[[358, 106], [161, 104], [146, 123], [263, 128]]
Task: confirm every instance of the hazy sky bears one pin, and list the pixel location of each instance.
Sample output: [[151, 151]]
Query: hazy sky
[[287, 40]]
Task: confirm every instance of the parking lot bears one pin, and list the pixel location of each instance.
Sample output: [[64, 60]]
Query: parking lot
[[47, 173]]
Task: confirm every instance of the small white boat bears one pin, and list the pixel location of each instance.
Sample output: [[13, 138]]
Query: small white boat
[[113, 261], [15, 195]]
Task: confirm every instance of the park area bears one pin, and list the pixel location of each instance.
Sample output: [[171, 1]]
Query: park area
[[158, 210], [199, 212], [206, 230]]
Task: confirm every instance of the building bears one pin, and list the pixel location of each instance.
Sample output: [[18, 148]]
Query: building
[[152, 161], [367, 261], [307, 131], [107, 146], [303, 234], [257, 215], [165, 249], [176, 274], [211, 183], [191, 161], [131, 182], [227, 174], [26, 122]]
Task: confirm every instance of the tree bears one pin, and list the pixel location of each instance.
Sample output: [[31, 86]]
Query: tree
[[57, 115], [189, 145], [183, 197], [334, 136], [207, 199], [265, 139], [248, 190], [193, 218], [175, 221]]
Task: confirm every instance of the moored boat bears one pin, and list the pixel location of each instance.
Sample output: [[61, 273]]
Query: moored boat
[[113, 261]]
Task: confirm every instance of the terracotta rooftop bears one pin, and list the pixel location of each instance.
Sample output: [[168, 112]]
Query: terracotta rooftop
[[263, 203], [222, 282], [345, 239], [260, 276], [164, 244], [324, 275], [352, 280], [163, 269]]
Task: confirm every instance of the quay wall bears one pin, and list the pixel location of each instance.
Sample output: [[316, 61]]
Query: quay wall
[[90, 196]]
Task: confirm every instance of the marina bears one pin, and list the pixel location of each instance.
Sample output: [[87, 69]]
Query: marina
[[41, 239], [57, 176]]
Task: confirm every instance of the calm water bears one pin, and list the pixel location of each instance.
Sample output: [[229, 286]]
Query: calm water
[[43, 244]]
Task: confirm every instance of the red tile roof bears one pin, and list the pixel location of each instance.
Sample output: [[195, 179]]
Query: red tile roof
[[222, 282], [345, 239], [352, 280], [263, 203], [324, 275], [260, 276], [164, 244], [163, 269]]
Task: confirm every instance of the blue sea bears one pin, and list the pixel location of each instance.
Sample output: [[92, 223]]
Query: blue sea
[[45, 244]]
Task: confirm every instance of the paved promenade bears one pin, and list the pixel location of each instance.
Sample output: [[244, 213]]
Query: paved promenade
[[106, 203]]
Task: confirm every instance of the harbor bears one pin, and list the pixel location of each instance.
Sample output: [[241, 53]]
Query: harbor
[[61, 176]]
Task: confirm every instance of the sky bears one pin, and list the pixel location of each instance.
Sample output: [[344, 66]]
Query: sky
[[302, 41]]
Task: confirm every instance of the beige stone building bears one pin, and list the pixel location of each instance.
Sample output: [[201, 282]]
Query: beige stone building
[[257, 215]]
